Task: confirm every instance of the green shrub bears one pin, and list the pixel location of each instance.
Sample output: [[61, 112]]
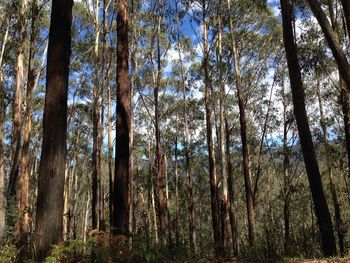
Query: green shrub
[[8, 253]]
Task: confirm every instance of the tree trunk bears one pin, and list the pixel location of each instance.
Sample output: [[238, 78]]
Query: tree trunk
[[231, 211], [312, 169], [96, 151], [17, 112], [121, 194], [223, 157], [49, 215], [2, 121], [160, 172], [243, 124], [208, 118], [23, 180]]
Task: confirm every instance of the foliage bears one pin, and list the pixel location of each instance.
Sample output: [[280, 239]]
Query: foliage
[[8, 253]]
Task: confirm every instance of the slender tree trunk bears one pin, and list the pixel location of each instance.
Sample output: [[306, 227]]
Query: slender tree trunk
[[17, 111], [286, 179], [49, 214], [243, 124], [208, 118], [23, 180], [96, 168], [338, 219], [2, 121], [223, 153], [160, 173], [231, 209], [121, 194], [312, 169], [177, 219], [110, 149]]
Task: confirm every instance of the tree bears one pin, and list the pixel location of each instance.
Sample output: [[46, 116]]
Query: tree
[[121, 191], [313, 173], [49, 214], [243, 130]]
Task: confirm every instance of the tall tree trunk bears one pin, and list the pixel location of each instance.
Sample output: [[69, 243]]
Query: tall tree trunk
[[208, 118], [243, 124], [110, 149], [2, 121], [223, 157], [312, 169], [17, 110], [96, 151], [23, 180], [177, 218], [121, 194], [49, 214], [338, 220], [160, 173]]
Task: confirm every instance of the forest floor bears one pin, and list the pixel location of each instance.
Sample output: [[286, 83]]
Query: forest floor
[[263, 261]]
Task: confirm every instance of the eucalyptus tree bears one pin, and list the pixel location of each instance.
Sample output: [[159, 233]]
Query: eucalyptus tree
[[311, 164], [49, 213]]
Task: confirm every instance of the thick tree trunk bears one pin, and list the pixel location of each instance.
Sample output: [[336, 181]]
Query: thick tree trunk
[[312, 169], [208, 118], [243, 124], [49, 216], [121, 194]]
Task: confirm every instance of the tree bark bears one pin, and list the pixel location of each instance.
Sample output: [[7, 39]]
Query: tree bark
[[2, 121], [49, 216], [121, 194], [312, 169], [23, 180]]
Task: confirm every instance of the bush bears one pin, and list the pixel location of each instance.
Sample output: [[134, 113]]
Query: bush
[[8, 253]]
